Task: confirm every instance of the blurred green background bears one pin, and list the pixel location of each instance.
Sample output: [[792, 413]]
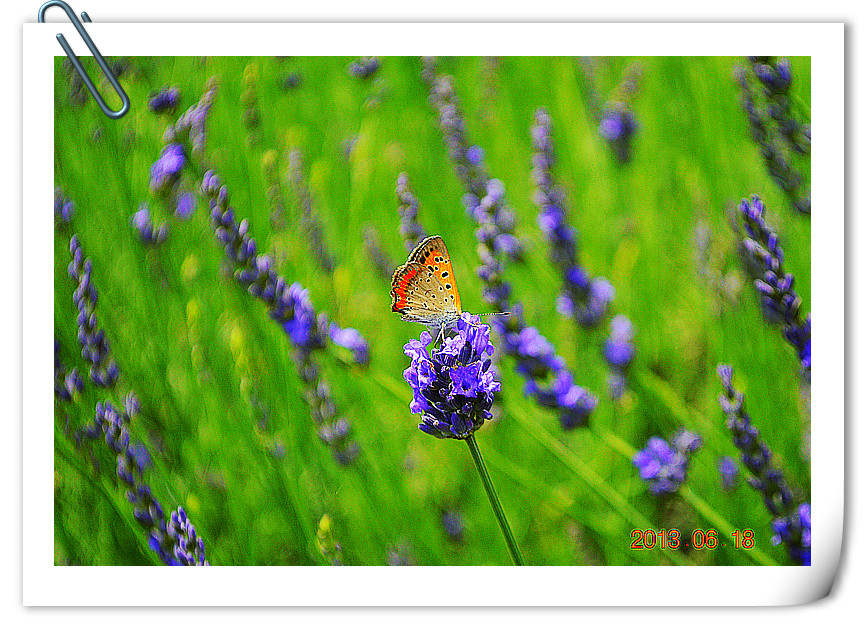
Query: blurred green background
[[222, 409]]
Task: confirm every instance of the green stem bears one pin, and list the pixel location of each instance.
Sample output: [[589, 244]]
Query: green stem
[[495, 501]]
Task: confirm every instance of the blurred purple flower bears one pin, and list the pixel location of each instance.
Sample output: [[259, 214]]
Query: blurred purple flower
[[64, 209], [166, 99], [618, 126], [475, 155], [764, 477], [773, 126], [453, 523], [728, 471], [351, 339], [311, 226], [94, 346], [167, 169], [291, 81], [618, 348], [290, 306], [583, 299], [174, 541], [662, 466], [410, 229], [797, 527], [686, 441], [364, 67], [538, 363], [780, 303], [147, 234], [65, 382], [185, 205]]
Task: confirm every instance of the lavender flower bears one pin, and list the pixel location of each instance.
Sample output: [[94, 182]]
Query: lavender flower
[[619, 352], [175, 541], [496, 220], [381, 261], [65, 382], [289, 305], [664, 466], [291, 308], [351, 339], [94, 346], [583, 299], [191, 125], [311, 226], [618, 349], [167, 169], [185, 205], [64, 209], [453, 387], [618, 127], [363, 67], [291, 81], [485, 198], [780, 302], [166, 99], [410, 229], [764, 477], [132, 457], [686, 441], [453, 523], [147, 234], [187, 548], [589, 67], [593, 297], [548, 380], [797, 528], [776, 79], [475, 155], [617, 124], [728, 472], [139, 452]]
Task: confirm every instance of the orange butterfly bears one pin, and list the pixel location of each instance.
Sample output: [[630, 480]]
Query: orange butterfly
[[424, 290]]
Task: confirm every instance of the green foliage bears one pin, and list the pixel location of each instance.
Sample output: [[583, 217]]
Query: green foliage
[[218, 388]]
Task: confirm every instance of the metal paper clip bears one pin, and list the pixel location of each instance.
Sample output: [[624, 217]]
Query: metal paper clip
[[96, 55]]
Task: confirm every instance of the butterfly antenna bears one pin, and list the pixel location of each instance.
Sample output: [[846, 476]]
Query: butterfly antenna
[[489, 314]]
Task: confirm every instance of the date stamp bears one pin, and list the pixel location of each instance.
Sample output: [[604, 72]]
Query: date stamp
[[672, 538]]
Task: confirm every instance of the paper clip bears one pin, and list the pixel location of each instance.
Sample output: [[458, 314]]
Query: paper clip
[[96, 55]]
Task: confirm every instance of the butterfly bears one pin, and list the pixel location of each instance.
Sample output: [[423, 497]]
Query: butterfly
[[424, 290]]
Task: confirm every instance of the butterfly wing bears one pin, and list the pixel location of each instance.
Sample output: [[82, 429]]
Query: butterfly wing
[[424, 289], [432, 253]]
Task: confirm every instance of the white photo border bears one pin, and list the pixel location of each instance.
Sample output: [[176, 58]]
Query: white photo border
[[47, 584]]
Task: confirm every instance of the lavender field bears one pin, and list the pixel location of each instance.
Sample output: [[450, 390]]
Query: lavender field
[[232, 386]]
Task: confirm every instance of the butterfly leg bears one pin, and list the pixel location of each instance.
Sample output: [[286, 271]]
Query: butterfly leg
[[437, 332]]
